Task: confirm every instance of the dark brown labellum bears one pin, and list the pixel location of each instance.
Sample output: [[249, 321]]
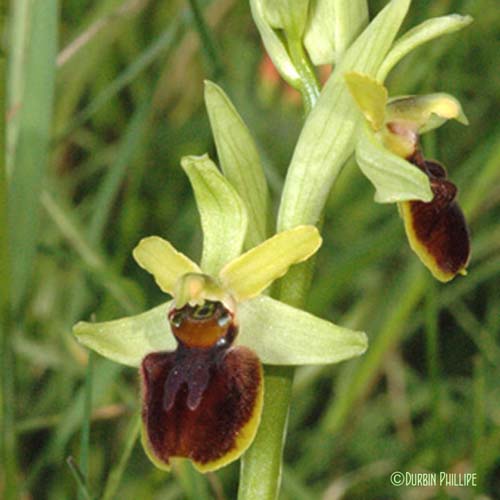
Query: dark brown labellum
[[202, 401], [437, 230]]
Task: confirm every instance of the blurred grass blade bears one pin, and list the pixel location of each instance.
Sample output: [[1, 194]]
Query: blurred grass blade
[[32, 147], [85, 434], [163, 43], [106, 195], [239, 160], [207, 41], [8, 453], [79, 476], [423, 33], [18, 21], [116, 474], [75, 235]]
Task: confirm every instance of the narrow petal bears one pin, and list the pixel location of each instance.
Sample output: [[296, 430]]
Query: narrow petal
[[370, 95], [222, 211], [255, 270], [128, 340], [394, 178], [218, 428], [425, 112], [283, 335], [158, 257]]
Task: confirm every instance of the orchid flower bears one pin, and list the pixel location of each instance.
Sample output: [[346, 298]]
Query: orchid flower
[[388, 152], [200, 354]]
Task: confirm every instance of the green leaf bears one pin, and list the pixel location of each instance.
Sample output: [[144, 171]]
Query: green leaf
[[128, 340], [255, 270], [274, 45], [423, 33], [370, 96], [239, 160], [394, 178], [327, 139], [283, 335], [159, 258], [223, 214]]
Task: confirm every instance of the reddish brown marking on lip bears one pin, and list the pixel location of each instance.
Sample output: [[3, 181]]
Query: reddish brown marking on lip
[[439, 227], [210, 431]]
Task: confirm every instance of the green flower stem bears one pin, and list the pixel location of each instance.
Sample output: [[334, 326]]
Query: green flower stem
[[308, 84], [261, 466]]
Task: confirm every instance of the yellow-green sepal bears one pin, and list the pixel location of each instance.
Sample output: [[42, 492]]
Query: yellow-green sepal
[[128, 340], [239, 160], [394, 178], [223, 214], [283, 335]]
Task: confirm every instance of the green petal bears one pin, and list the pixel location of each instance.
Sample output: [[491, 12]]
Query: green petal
[[327, 139], [273, 44], [370, 95], [426, 112], [158, 257], [424, 32], [128, 340], [283, 335], [394, 178], [239, 160], [223, 214], [255, 270], [333, 25]]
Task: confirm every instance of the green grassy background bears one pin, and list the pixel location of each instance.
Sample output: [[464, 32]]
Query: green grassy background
[[97, 167]]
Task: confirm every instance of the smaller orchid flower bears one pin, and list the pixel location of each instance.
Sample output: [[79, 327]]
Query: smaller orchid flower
[[389, 154], [200, 354]]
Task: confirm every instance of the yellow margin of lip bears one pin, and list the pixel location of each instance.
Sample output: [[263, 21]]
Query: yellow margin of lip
[[420, 249]]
